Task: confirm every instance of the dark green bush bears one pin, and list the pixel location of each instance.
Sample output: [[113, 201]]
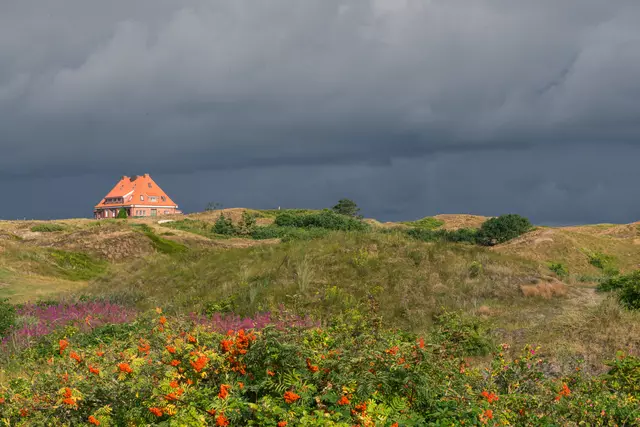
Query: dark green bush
[[347, 207], [287, 233], [224, 226], [462, 335], [627, 286], [48, 227], [7, 316], [503, 228], [325, 219], [463, 235], [290, 219]]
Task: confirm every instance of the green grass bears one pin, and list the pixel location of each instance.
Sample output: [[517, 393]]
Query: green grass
[[427, 223], [20, 287], [328, 275], [164, 246], [48, 227], [26, 261], [77, 265], [192, 226], [411, 280], [272, 213], [559, 269]]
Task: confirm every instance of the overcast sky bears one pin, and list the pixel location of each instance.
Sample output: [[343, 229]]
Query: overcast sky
[[411, 108]]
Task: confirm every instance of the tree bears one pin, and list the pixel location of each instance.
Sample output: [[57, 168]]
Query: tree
[[212, 206], [347, 207], [503, 228], [247, 223], [122, 213], [224, 226]]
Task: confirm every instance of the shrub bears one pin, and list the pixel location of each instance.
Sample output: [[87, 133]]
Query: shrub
[[475, 269], [503, 228], [627, 286], [287, 233], [462, 335], [624, 374], [46, 317], [122, 214], [559, 269], [325, 219], [347, 207], [247, 223], [7, 316], [463, 235], [48, 227], [290, 219], [286, 371], [224, 226]]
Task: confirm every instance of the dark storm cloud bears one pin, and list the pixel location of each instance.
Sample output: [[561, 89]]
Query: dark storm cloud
[[328, 86]]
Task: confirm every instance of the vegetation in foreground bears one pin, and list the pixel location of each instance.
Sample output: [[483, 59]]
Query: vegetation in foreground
[[536, 288], [163, 370]]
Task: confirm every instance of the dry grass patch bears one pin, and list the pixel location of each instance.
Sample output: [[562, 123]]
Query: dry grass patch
[[458, 221], [571, 247], [545, 290]]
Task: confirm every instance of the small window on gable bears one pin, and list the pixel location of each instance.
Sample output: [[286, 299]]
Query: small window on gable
[[163, 198], [141, 197], [149, 184]]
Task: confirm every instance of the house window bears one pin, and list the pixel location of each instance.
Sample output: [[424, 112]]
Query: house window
[[153, 199], [149, 184], [163, 198], [141, 197]]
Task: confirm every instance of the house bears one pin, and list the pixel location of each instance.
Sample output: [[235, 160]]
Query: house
[[139, 196]]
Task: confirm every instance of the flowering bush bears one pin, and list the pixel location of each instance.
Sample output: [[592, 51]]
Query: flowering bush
[[35, 320], [182, 372]]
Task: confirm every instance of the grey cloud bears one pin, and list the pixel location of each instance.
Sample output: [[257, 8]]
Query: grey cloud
[[175, 87]]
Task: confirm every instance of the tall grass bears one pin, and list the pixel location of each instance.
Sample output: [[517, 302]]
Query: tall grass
[[359, 264], [48, 227]]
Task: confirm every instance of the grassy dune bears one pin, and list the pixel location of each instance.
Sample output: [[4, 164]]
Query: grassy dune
[[510, 287]]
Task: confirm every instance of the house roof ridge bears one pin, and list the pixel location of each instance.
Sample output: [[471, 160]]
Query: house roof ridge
[[127, 187]]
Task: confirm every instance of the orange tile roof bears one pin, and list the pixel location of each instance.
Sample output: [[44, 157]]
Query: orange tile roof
[[130, 190]]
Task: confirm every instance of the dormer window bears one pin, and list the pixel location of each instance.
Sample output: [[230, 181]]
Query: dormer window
[[153, 199]]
